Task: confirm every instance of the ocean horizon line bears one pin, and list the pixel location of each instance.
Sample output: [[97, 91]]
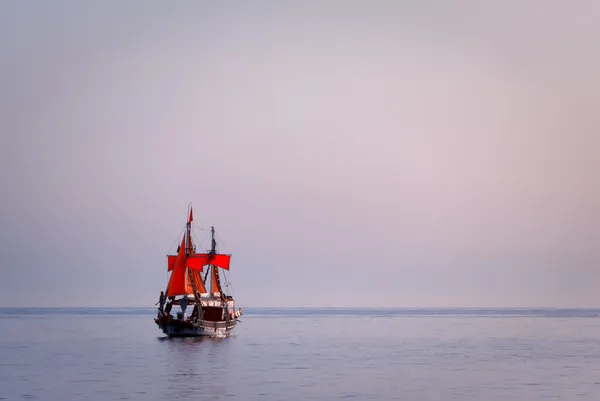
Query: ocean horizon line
[[319, 307]]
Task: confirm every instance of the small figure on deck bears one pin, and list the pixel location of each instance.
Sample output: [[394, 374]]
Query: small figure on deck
[[183, 303], [168, 308], [161, 301]]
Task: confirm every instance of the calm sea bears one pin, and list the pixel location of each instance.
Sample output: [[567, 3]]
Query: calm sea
[[304, 355]]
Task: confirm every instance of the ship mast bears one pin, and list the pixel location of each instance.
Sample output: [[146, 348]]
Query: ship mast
[[194, 277], [215, 285], [188, 235]]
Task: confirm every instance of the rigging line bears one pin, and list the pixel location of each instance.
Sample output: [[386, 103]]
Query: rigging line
[[225, 277], [204, 239], [221, 240], [206, 275], [196, 236], [175, 242], [233, 293], [228, 285], [203, 229]]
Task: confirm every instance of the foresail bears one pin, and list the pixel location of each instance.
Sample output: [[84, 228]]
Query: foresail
[[178, 283]]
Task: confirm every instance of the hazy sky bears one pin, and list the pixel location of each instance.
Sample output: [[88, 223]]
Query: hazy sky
[[399, 153]]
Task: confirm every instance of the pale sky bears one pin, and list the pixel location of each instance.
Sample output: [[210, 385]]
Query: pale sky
[[349, 153]]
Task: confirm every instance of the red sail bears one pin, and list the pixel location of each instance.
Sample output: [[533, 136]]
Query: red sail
[[195, 262], [178, 284], [215, 285], [204, 259], [171, 262], [220, 260], [197, 278]]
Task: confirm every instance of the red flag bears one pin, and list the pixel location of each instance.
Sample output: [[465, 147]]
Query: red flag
[[191, 216]]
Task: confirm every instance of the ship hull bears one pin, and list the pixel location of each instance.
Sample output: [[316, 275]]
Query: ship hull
[[202, 328]]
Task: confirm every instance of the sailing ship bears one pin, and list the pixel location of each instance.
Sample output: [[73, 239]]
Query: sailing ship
[[213, 312]]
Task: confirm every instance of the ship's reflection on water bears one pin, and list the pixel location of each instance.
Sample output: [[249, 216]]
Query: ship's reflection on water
[[190, 340], [197, 365]]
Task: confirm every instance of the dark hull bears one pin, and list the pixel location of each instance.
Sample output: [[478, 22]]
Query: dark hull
[[201, 328]]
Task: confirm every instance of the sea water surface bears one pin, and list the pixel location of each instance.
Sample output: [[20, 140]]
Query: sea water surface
[[304, 354]]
